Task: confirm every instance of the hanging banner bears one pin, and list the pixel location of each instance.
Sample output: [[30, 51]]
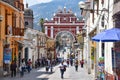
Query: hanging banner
[[7, 55]]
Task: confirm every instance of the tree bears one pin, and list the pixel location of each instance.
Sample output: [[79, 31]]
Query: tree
[[41, 24]]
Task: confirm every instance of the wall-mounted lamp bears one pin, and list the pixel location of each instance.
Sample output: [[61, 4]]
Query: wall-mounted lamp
[[1, 18], [84, 6]]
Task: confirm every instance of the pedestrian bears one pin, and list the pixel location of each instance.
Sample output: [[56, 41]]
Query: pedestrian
[[76, 64], [39, 62], [51, 65], [13, 67], [48, 65], [62, 69], [22, 68], [36, 64], [68, 62], [82, 63], [71, 62], [29, 63]]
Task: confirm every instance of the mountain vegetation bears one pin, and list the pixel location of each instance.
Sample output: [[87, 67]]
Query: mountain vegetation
[[46, 10]]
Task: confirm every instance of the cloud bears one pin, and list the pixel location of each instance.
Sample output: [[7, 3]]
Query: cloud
[[43, 1], [33, 2]]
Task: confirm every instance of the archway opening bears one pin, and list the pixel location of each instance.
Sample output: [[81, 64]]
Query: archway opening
[[64, 43]]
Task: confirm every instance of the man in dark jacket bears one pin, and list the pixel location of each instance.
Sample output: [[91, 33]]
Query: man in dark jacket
[[13, 67]]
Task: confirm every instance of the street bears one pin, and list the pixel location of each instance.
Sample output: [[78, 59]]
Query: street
[[41, 74]]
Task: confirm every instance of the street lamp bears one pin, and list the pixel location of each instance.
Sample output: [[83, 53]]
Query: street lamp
[[82, 5]]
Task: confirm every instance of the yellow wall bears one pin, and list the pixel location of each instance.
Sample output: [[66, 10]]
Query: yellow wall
[[19, 21]]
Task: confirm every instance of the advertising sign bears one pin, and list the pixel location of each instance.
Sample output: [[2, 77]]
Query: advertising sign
[[7, 55]]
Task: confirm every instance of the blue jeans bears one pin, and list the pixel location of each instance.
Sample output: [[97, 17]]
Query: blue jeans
[[29, 68]]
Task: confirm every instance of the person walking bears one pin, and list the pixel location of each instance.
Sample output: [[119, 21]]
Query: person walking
[[13, 67], [62, 69], [36, 64], [68, 62], [76, 65], [48, 65], [82, 63], [71, 62], [29, 63], [22, 68]]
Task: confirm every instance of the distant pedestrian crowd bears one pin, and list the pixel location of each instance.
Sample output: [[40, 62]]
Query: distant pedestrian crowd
[[24, 67], [27, 65]]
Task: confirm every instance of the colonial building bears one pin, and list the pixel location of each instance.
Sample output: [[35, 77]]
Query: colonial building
[[116, 49], [63, 26], [98, 16], [63, 20], [34, 45], [11, 31], [29, 34]]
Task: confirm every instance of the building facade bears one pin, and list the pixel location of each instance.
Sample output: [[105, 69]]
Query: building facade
[[62, 20], [64, 27], [34, 45], [98, 17], [116, 48], [11, 30], [29, 38]]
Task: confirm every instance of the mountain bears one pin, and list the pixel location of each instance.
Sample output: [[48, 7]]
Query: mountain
[[46, 10]]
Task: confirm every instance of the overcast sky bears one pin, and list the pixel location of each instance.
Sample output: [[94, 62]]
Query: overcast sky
[[33, 2]]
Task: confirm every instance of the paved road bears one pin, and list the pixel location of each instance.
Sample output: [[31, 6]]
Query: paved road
[[41, 74]]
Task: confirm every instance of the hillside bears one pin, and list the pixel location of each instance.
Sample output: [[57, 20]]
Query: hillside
[[46, 10]]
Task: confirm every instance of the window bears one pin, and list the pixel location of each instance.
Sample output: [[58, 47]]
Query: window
[[26, 23], [64, 18], [102, 21]]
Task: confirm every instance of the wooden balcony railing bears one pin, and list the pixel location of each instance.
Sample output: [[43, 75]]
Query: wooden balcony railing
[[18, 31]]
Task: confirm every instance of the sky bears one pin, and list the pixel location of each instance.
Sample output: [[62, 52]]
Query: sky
[[33, 2]]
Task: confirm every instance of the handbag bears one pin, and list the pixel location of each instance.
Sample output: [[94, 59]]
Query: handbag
[[64, 68]]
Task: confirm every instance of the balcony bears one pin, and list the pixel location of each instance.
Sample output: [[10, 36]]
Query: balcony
[[18, 31], [15, 3]]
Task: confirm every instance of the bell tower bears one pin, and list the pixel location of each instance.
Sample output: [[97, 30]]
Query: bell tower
[[28, 17]]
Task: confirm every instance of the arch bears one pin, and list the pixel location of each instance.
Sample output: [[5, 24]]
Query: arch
[[60, 32]]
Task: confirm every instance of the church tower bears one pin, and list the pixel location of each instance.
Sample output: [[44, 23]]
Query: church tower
[[28, 17]]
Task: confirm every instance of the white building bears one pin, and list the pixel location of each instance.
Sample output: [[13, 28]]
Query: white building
[[34, 45], [98, 17]]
